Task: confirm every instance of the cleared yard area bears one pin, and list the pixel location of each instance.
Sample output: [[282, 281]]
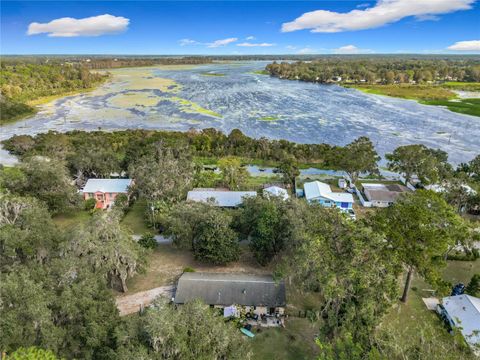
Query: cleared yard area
[[135, 218], [133, 303], [70, 219], [166, 264], [294, 342]]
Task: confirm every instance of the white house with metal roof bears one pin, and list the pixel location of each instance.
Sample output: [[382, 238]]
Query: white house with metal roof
[[220, 198], [276, 191], [104, 191], [463, 312], [318, 192]]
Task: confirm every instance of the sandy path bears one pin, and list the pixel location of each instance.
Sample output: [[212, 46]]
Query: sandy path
[[129, 304]]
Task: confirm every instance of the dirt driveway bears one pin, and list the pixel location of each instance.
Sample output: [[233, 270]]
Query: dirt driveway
[[133, 303]]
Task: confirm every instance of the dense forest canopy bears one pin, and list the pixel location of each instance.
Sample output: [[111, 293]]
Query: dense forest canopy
[[125, 147], [387, 70]]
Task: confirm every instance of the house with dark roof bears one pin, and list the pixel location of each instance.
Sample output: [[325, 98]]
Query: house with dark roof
[[256, 294], [383, 195]]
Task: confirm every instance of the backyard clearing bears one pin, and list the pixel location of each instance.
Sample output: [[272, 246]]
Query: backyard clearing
[[166, 263], [133, 303]]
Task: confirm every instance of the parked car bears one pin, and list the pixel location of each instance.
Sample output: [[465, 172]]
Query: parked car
[[350, 213], [458, 289]]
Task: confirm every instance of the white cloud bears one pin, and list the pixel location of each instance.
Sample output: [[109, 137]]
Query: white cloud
[[306, 50], [247, 44], [185, 42], [351, 49], [222, 42], [384, 12], [70, 27], [290, 47], [250, 37], [471, 45]]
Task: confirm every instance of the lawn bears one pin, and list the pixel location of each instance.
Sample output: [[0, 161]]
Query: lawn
[[71, 219], [295, 341], [135, 218]]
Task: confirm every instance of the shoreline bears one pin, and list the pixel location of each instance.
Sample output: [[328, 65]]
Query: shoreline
[[455, 103], [42, 100]]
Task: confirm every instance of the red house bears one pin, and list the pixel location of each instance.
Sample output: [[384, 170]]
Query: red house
[[104, 191]]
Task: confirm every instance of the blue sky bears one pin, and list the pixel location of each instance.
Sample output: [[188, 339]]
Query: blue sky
[[240, 27]]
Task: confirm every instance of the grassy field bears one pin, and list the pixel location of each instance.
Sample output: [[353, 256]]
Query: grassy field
[[135, 218], [457, 85], [437, 95], [463, 106], [406, 91], [71, 219], [294, 342]]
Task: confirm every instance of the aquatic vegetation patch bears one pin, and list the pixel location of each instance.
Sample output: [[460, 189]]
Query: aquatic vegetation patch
[[260, 72], [269, 118], [134, 99], [212, 74], [192, 107]]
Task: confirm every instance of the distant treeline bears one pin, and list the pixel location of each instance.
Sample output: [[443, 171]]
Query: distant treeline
[[105, 152], [105, 62], [385, 70], [108, 63]]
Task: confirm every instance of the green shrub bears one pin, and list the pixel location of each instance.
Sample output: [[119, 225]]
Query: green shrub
[[467, 255], [121, 202], [148, 241], [89, 204], [188, 269], [31, 353]]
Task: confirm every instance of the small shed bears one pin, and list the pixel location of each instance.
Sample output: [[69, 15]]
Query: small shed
[[342, 183]]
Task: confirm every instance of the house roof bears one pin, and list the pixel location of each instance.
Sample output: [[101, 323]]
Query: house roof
[[464, 310], [316, 189], [220, 197], [227, 289], [276, 191], [107, 185], [382, 192]]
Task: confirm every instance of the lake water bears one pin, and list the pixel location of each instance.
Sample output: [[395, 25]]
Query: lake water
[[228, 96]]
